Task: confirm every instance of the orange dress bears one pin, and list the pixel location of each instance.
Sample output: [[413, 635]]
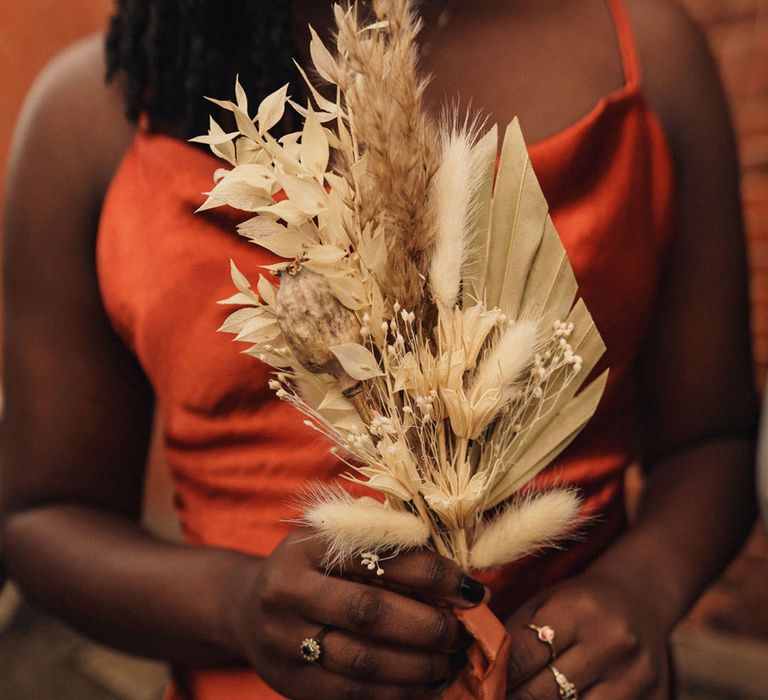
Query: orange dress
[[236, 454]]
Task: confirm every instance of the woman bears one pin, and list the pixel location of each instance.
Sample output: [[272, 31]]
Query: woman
[[643, 188]]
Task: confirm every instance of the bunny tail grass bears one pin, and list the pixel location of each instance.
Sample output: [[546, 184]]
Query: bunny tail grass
[[350, 526], [453, 192], [510, 356], [526, 526]]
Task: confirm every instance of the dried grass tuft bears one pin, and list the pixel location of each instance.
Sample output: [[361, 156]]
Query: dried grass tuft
[[525, 526], [454, 188], [350, 526], [384, 98]]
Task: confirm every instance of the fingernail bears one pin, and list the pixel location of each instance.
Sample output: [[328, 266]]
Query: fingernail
[[471, 590]]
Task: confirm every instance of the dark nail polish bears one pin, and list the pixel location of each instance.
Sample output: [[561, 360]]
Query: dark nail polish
[[471, 590]]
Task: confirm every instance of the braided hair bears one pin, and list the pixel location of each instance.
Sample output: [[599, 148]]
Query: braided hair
[[170, 53]]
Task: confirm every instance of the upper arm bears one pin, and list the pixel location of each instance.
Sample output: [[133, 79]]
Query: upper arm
[[77, 406], [695, 377]]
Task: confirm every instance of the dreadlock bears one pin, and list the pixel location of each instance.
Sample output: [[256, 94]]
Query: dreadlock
[[170, 53]]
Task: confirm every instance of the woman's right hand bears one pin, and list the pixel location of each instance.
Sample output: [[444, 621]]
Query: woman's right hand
[[382, 641]]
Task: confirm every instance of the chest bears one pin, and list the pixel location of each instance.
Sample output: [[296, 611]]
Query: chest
[[548, 62], [163, 268]]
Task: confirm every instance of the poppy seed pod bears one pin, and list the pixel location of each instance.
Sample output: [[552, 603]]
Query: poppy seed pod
[[313, 321]]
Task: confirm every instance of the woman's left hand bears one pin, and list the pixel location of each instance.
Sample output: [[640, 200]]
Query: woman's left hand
[[610, 642]]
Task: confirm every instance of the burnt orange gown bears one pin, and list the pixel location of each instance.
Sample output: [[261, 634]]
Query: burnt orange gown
[[237, 455]]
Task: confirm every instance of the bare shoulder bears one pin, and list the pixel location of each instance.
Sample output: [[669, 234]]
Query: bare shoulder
[[680, 77], [77, 416], [73, 121]]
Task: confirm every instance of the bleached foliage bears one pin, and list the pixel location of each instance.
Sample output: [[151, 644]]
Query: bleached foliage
[[425, 318]]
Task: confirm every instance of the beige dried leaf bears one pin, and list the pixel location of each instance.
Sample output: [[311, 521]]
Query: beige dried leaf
[[285, 210], [289, 243], [241, 282], [329, 255], [271, 109], [236, 299], [236, 320], [334, 400], [260, 329], [322, 59], [388, 484], [260, 227], [267, 291], [349, 290], [358, 361], [315, 150], [241, 99], [237, 193], [219, 141], [305, 195], [323, 103]]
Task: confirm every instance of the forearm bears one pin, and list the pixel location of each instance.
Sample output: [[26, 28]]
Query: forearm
[[107, 577], [695, 512]]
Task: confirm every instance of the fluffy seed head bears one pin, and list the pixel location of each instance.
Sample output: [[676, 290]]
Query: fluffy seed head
[[350, 525], [524, 527]]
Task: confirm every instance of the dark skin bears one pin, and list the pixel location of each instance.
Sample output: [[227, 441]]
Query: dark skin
[[78, 407]]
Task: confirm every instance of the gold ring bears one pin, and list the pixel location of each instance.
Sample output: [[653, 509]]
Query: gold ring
[[311, 648], [547, 635], [566, 689]]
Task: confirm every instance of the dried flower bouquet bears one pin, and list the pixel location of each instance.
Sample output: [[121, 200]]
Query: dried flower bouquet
[[424, 319]]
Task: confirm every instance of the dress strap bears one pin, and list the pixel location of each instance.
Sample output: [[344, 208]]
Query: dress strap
[[629, 57]]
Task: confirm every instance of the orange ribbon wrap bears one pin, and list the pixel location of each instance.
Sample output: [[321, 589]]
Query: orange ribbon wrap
[[485, 675]]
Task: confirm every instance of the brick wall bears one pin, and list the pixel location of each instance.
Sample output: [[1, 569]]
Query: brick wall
[[738, 34]]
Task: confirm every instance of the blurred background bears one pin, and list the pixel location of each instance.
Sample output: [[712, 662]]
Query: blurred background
[[721, 649]]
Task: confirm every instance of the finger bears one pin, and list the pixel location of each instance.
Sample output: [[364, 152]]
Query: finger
[[641, 679], [426, 573], [381, 614], [610, 690], [362, 658], [530, 655], [311, 682], [365, 659], [353, 656], [575, 668]]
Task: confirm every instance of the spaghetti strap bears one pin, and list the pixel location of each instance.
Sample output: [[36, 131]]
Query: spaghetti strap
[[629, 58]]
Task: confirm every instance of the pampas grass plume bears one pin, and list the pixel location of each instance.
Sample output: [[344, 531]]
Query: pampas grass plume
[[353, 525], [526, 526]]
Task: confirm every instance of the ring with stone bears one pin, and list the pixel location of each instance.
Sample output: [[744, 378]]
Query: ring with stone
[[565, 688], [311, 648], [547, 635]]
